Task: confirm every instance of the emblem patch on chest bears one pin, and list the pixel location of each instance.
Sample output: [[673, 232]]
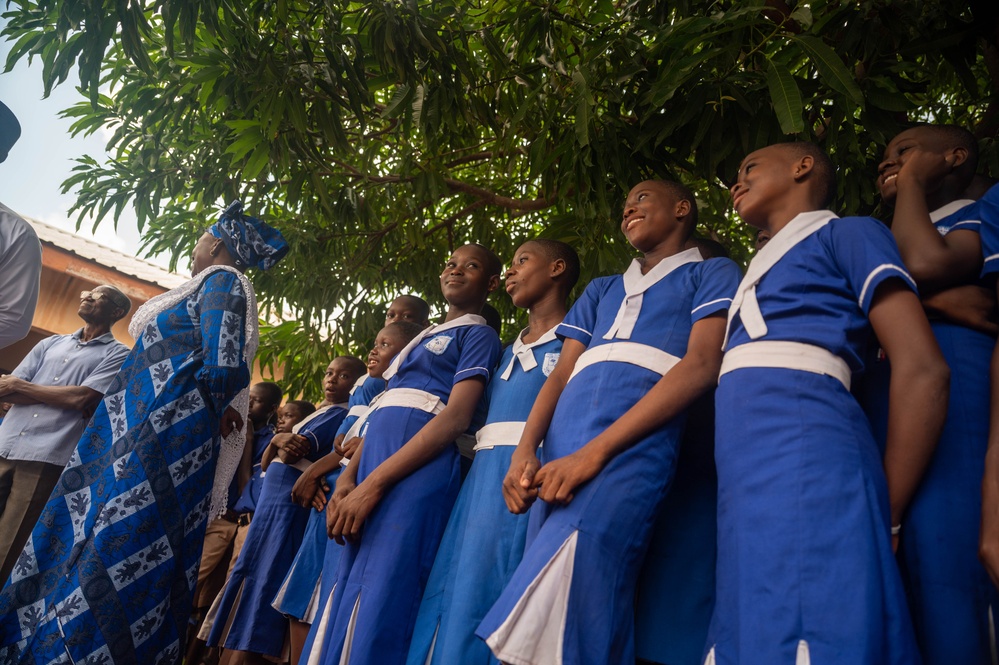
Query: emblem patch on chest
[[438, 345], [551, 359]]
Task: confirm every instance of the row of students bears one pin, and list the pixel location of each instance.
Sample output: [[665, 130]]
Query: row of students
[[809, 504]]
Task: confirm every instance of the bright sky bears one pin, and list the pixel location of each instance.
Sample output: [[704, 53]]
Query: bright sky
[[31, 177]]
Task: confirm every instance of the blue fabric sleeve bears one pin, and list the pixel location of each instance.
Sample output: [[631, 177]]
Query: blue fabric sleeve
[[100, 379], [321, 431], [371, 388], [480, 351], [367, 391], [866, 253], [578, 324], [222, 310], [988, 213], [718, 281]]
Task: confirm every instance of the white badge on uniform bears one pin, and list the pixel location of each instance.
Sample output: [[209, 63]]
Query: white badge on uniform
[[551, 359], [438, 345]]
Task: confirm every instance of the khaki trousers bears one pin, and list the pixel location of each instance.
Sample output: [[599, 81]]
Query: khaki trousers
[[24, 490]]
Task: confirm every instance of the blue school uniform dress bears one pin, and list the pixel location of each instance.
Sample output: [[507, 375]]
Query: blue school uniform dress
[[571, 599], [299, 595], [381, 578], [676, 588], [360, 401], [805, 567], [484, 541], [245, 620], [951, 596]]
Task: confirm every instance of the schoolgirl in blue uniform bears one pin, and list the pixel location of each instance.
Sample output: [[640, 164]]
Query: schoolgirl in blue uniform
[[805, 512], [245, 620], [637, 349], [483, 542], [407, 471], [300, 597], [923, 175]]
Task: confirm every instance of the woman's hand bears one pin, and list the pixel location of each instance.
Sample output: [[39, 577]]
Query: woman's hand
[[295, 445], [231, 421], [352, 511], [345, 484], [519, 488], [305, 487], [557, 481], [350, 446]]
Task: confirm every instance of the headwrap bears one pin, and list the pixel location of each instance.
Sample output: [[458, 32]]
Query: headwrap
[[249, 240]]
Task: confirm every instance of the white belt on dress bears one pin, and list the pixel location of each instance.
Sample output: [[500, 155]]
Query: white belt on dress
[[357, 411], [412, 398], [787, 355], [505, 433], [642, 355]]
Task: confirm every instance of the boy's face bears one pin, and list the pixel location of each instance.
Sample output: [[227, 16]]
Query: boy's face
[[764, 177], [338, 381], [918, 143], [649, 215], [529, 276], [388, 343], [404, 309], [466, 279], [260, 410], [289, 415]]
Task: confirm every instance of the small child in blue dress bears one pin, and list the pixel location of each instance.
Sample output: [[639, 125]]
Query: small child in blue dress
[[806, 504], [392, 502], [300, 597], [484, 541], [637, 350], [924, 174], [245, 624]]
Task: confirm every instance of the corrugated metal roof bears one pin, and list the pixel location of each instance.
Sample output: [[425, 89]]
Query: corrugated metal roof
[[112, 258]]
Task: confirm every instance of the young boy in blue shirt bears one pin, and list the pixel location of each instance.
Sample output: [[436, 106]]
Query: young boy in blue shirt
[[924, 174], [638, 348], [806, 505], [483, 542]]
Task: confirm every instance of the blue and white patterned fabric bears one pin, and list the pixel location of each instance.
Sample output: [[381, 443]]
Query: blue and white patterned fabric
[[249, 240], [108, 574]]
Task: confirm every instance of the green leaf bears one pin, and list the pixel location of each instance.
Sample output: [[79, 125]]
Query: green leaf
[[831, 68], [785, 97], [403, 93]]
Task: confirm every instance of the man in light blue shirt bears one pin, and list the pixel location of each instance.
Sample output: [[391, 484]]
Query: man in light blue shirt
[[54, 390]]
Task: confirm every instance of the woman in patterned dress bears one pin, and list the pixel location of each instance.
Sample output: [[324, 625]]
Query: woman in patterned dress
[[109, 571]]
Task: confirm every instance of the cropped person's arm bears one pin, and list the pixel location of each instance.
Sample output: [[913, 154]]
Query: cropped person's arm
[[20, 271], [971, 306], [918, 391], [697, 371]]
